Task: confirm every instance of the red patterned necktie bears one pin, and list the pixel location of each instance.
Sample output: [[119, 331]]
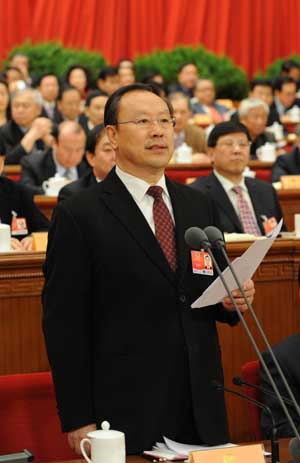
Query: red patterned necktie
[[164, 226], [246, 216]]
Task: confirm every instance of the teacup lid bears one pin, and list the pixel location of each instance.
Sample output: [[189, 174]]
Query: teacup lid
[[105, 432]]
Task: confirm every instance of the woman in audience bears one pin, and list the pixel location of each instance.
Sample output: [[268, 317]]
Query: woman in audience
[[78, 76], [4, 103]]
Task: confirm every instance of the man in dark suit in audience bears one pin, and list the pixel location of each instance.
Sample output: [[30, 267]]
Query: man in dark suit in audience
[[246, 205], [108, 80], [287, 164], [94, 110], [48, 86], [26, 130], [69, 106], [287, 352], [101, 157], [64, 159], [16, 203], [118, 289], [187, 77]]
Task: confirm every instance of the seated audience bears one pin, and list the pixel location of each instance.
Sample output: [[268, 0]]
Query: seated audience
[[94, 109], [69, 105], [64, 159], [253, 113], [4, 103], [183, 131], [262, 89], [287, 352], [25, 131], [48, 86], [245, 205], [21, 61], [205, 96], [78, 76], [100, 156], [125, 63], [285, 89], [291, 68], [126, 76], [187, 77], [108, 80], [286, 164], [153, 76], [16, 202]]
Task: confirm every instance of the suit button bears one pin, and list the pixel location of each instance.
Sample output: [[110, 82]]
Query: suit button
[[182, 298]]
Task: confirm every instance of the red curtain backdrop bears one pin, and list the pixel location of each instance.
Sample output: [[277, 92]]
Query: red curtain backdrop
[[252, 32]]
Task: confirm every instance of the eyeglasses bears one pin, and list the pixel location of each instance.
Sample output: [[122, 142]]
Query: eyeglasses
[[231, 143], [163, 122]]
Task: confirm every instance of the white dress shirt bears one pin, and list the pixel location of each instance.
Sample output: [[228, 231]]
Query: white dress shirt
[[228, 185], [138, 190], [61, 170]]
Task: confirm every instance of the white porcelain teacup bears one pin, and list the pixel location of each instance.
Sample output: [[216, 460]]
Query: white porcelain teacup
[[4, 237], [53, 185], [107, 446], [266, 152]]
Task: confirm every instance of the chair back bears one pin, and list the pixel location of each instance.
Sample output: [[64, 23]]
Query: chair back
[[29, 418], [250, 373]]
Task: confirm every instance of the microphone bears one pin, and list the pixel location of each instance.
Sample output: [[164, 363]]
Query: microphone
[[294, 448], [274, 441], [195, 238], [238, 381], [215, 236]]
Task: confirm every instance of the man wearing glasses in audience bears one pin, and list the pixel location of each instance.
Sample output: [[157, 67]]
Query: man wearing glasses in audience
[[245, 205], [122, 339]]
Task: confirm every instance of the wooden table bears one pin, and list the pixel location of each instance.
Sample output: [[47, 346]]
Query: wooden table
[[290, 205], [283, 450], [276, 304], [46, 204]]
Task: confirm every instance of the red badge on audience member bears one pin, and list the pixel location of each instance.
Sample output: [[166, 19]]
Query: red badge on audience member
[[202, 263], [269, 224], [18, 225]]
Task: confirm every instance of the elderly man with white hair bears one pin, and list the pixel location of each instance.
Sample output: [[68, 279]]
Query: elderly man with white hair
[[253, 113], [26, 130]]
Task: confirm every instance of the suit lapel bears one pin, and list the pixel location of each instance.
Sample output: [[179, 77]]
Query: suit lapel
[[122, 205], [220, 196]]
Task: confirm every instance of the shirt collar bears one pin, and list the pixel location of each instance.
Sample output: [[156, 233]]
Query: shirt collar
[[227, 184], [138, 187]]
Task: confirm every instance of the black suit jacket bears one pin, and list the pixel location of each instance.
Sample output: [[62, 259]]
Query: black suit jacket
[[263, 196], [120, 333], [78, 186], [14, 197], [56, 114], [286, 164], [287, 352], [10, 143], [39, 166]]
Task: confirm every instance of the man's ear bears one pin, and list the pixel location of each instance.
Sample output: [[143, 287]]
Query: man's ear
[[210, 153], [90, 158], [112, 134]]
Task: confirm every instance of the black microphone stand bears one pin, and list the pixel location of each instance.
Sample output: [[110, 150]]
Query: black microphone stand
[[273, 439]]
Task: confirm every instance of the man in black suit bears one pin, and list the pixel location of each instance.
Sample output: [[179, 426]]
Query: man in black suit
[[100, 156], [94, 110], [64, 159], [69, 106], [122, 340], [26, 131], [239, 200], [15, 203], [287, 352], [48, 86], [187, 77], [287, 164]]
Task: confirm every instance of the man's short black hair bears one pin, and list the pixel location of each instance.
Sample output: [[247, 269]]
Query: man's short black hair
[[289, 64], [113, 103], [107, 71], [93, 94], [183, 65], [65, 89], [46, 74], [281, 80], [93, 137], [259, 82], [225, 128]]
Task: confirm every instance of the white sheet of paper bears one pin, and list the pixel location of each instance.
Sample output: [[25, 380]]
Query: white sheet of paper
[[184, 449], [244, 266]]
